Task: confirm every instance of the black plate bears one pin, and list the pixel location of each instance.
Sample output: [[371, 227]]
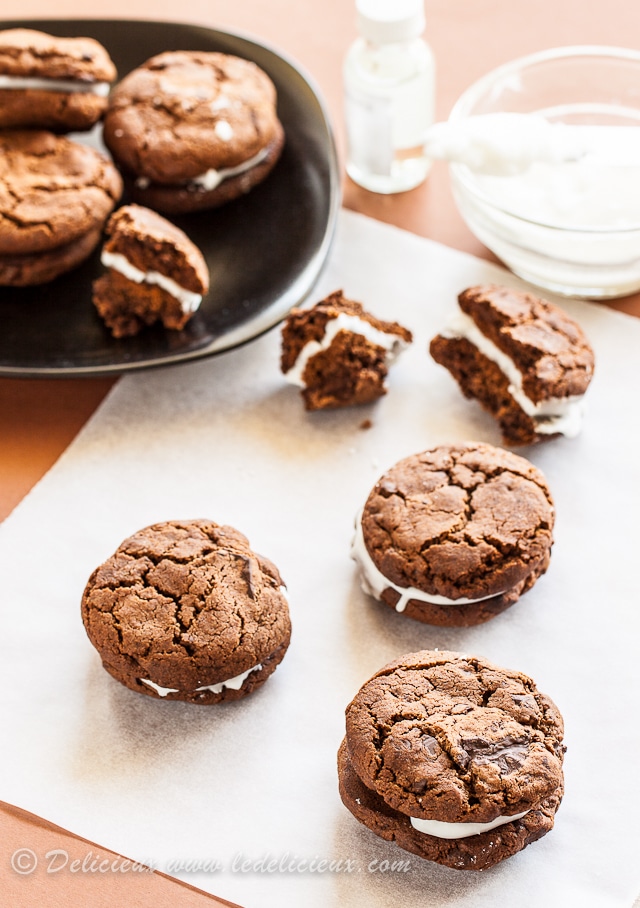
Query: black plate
[[264, 250]]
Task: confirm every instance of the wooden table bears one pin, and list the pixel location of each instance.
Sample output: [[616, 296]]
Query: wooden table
[[39, 418]]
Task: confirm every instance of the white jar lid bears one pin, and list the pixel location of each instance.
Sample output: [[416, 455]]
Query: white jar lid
[[388, 21]]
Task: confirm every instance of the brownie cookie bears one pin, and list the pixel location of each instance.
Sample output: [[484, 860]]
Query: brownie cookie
[[54, 198], [52, 83], [155, 273], [184, 610], [42, 267], [454, 759], [338, 353], [455, 535], [522, 358], [192, 130]]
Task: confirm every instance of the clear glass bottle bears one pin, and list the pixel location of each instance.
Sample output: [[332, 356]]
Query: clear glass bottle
[[389, 85]]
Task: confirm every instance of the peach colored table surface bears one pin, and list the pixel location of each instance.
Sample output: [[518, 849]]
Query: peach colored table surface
[[39, 418]]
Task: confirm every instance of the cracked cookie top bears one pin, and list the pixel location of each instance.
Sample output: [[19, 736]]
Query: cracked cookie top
[[459, 521], [52, 190], [448, 737], [183, 113], [29, 53], [547, 346], [186, 603]]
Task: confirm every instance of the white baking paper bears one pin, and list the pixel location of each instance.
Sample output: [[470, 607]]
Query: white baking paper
[[249, 789]]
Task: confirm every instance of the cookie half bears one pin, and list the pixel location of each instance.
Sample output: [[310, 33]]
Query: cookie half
[[522, 358], [52, 83], [338, 353], [55, 196], [42, 267], [453, 758], [192, 130], [185, 610], [456, 534], [155, 273]]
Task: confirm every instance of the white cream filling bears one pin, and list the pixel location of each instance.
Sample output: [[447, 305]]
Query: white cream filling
[[460, 830], [212, 178], [555, 415], [65, 85], [392, 343], [373, 582], [187, 298], [232, 684]]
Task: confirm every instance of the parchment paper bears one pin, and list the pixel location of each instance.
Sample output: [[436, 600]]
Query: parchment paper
[[250, 788]]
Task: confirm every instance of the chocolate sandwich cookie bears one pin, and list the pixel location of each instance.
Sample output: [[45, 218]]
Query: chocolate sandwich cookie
[[453, 759], [55, 196], [338, 353], [193, 130], [42, 267], [53, 83], [522, 358], [455, 535], [155, 273], [185, 610]]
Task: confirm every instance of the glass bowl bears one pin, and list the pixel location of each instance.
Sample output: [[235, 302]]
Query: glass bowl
[[573, 228]]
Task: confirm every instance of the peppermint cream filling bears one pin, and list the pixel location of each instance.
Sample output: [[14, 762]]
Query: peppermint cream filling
[[65, 85], [233, 684], [460, 830], [187, 298], [554, 415], [392, 343], [374, 583]]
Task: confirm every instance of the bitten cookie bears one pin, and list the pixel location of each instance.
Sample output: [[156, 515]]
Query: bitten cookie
[[185, 610], [55, 196], [454, 759], [155, 273], [193, 130], [455, 535], [338, 353], [52, 83], [522, 358]]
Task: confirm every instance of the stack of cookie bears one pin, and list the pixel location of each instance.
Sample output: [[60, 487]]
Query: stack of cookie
[[55, 193], [188, 130]]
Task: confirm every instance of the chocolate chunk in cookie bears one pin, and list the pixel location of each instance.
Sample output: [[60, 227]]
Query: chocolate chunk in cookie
[[185, 610], [454, 759], [338, 353], [52, 83], [522, 358], [55, 196], [455, 535], [192, 130], [155, 273]]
